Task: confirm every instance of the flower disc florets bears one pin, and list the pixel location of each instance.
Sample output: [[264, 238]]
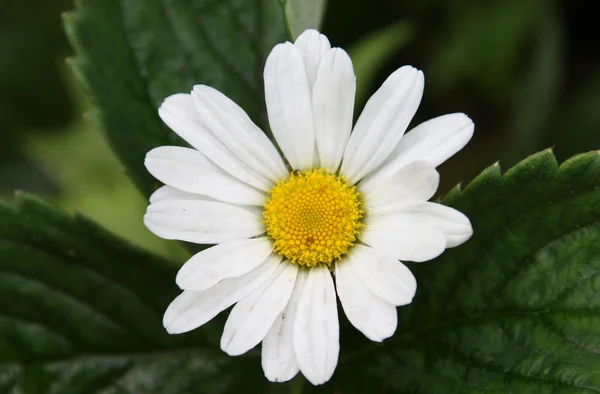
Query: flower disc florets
[[313, 217]]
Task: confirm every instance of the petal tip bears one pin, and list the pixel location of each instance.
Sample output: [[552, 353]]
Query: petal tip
[[309, 34], [461, 121]]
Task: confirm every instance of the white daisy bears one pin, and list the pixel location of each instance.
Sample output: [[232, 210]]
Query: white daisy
[[345, 203]]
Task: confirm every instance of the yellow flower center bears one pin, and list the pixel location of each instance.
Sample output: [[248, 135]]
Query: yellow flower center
[[313, 217]]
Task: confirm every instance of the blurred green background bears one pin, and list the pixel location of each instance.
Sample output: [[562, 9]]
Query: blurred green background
[[526, 71]]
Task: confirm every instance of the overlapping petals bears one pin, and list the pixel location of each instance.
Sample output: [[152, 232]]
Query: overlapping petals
[[383, 122], [215, 193]]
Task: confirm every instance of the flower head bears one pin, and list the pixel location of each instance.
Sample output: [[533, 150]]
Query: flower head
[[344, 202]]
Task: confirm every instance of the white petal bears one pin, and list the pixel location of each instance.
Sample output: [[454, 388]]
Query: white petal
[[383, 122], [204, 222], [166, 192], [178, 113], [251, 317], [417, 181], [226, 260], [393, 208], [384, 276], [434, 141], [333, 104], [453, 224], [403, 239], [232, 126], [189, 170], [372, 316], [191, 309], [312, 45], [278, 358], [316, 329], [169, 193], [289, 106]]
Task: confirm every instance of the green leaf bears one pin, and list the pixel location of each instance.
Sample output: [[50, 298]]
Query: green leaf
[[300, 15], [81, 310], [514, 310], [132, 54]]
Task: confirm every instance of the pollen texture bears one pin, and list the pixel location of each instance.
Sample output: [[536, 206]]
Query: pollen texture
[[313, 217]]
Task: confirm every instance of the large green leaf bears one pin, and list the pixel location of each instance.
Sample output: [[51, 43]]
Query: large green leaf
[[80, 312], [514, 310], [131, 54]]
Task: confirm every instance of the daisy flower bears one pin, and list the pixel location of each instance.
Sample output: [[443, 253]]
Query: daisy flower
[[343, 204]]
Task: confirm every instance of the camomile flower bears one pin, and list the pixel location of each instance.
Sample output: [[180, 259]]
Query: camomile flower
[[337, 213]]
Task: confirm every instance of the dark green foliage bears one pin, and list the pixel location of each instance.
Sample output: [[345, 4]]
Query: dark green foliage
[[33, 96]]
